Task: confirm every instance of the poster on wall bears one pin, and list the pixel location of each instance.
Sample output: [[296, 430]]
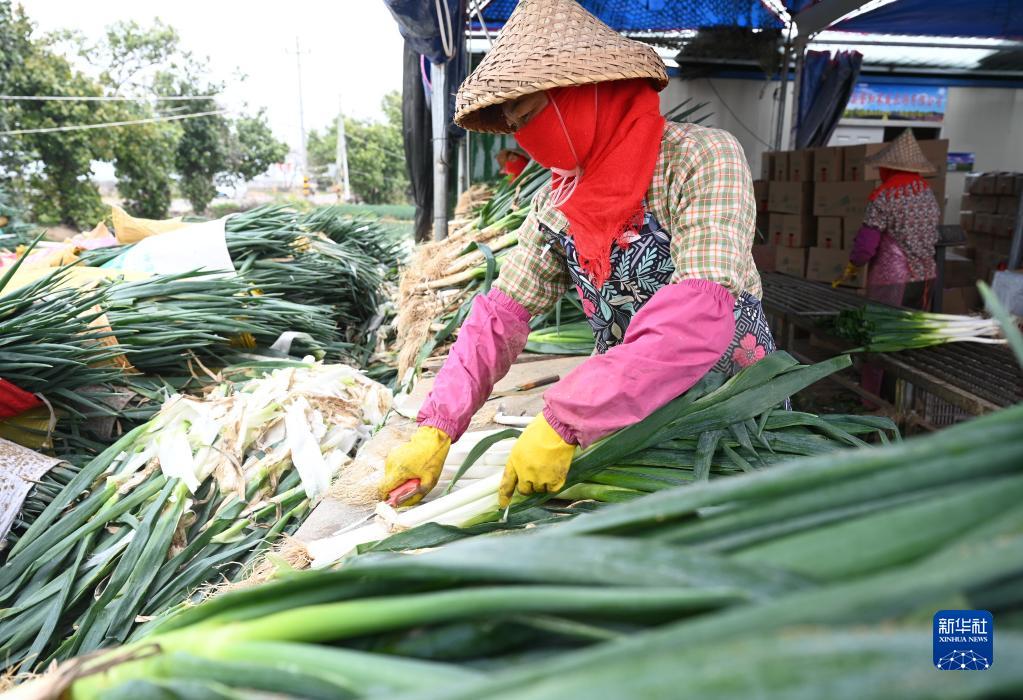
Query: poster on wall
[[897, 102]]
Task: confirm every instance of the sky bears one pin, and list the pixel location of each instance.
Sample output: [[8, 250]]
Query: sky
[[351, 51]]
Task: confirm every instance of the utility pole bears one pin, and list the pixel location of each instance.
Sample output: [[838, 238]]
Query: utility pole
[[302, 157], [342, 155]]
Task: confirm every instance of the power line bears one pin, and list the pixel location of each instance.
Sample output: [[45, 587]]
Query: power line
[[104, 125], [102, 98]]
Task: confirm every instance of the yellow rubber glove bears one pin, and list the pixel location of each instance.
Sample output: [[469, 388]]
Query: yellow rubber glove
[[538, 462], [422, 457], [848, 273]]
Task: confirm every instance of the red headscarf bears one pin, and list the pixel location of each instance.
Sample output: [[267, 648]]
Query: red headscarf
[[606, 137]]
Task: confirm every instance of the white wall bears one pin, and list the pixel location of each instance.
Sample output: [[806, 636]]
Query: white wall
[[987, 122], [746, 108]]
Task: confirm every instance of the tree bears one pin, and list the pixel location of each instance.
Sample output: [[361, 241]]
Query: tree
[[376, 161], [253, 147], [50, 170]]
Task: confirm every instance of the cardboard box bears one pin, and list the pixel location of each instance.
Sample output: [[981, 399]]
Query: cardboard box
[[841, 198], [827, 164], [853, 167], [982, 183], [959, 271], [987, 203], [797, 231], [801, 166], [765, 165], [1003, 226], [1008, 205], [1018, 189], [987, 262], [790, 197], [780, 166], [991, 244], [1005, 183], [983, 222], [791, 261], [936, 151], [765, 257], [966, 220], [828, 264], [775, 228], [829, 231], [760, 194]]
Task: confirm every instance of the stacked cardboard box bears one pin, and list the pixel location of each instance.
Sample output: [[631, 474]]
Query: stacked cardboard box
[[815, 204], [790, 225], [990, 207]]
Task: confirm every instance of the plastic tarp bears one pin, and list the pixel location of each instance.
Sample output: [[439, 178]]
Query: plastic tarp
[[975, 18], [417, 22], [659, 15], [827, 83]]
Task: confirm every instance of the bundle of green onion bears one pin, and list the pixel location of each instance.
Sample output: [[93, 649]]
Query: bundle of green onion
[[165, 321], [809, 579], [190, 498], [718, 428], [564, 339], [887, 329]]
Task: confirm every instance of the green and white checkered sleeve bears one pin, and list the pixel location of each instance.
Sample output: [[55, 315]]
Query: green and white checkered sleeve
[[714, 211], [531, 275]]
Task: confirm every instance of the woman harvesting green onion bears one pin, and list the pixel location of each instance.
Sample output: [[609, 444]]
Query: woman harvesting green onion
[[650, 222]]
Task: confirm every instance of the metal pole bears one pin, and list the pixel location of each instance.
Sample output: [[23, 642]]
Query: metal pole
[[342, 155], [301, 111], [780, 126], [440, 144], [797, 88], [1016, 247]]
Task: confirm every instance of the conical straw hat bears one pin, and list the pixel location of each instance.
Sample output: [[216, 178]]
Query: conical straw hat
[[547, 44], [902, 154]]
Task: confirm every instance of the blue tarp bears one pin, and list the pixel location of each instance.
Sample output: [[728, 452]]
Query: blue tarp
[[417, 22], [974, 18], [660, 15]]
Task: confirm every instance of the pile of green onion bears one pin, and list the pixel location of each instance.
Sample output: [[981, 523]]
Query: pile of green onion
[[887, 329], [815, 578], [190, 498]]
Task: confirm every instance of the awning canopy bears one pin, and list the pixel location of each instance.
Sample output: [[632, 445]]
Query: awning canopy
[[973, 18], [659, 15]]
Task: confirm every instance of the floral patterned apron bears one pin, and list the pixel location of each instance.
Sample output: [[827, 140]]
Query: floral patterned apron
[[637, 272]]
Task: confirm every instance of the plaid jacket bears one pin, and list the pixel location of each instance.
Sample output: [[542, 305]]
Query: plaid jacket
[[701, 193]]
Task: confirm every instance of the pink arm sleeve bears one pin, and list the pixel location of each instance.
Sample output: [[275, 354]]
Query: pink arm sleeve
[[675, 339], [865, 246], [488, 342]]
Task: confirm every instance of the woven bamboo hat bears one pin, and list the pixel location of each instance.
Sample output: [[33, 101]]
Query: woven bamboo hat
[[902, 154], [547, 44]]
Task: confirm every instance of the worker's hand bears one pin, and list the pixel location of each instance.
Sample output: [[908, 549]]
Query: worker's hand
[[422, 457], [848, 273], [538, 462]]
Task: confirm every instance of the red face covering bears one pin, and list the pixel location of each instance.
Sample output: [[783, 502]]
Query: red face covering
[[601, 143]]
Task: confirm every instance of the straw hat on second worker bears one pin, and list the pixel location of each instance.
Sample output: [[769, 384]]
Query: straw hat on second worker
[[547, 44], [902, 154]]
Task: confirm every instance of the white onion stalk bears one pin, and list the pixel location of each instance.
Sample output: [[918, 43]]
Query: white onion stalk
[[459, 508]]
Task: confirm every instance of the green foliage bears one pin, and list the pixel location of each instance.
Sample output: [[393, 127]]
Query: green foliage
[[51, 172], [201, 155], [144, 161], [60, 190], [254, 147], [376, 161]]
